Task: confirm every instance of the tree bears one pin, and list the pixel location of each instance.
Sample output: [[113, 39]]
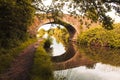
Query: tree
[[92, 9], [15, 17]]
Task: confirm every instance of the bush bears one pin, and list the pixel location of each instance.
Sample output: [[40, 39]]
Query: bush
[[100, 37], [15, 17]]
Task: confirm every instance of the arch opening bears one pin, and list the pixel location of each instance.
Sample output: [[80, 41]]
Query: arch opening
[[58, 35], [68, 26]]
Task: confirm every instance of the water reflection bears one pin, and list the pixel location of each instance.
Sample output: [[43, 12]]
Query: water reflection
[[92, 64], [68, 54], [104, 55], [99, 72], [58, 48], [58, 51], [77, 59], [73, 62]]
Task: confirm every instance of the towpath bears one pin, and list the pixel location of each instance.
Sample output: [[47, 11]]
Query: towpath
[[21, 66]]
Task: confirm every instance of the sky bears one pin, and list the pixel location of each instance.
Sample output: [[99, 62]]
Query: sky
[[47, 2], [48, 26], [112, 14]]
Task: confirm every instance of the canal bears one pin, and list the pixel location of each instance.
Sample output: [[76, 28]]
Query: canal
[[77, 62]]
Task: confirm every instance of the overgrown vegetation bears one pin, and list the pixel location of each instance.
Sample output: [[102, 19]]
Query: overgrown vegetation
[[40, 33], [101, 37], [8, 55], [42, 68], [92, 9], [15, 17]]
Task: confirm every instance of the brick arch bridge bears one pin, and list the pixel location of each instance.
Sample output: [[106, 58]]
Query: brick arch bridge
[[73, 24]]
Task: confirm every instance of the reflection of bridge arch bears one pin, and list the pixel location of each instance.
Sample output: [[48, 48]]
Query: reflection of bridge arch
[[70, 52], [76, 60]]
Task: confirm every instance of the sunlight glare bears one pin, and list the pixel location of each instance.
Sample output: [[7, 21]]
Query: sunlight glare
[[113, 15], [47, 2]]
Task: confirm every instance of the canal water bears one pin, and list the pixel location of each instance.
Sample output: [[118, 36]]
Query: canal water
[[84, 63], [75, 62]]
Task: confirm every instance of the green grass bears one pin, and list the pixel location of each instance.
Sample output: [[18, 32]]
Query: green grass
[[42, 68], [101, 37], [8, 55]]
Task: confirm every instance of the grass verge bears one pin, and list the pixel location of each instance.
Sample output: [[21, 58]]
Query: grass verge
[[42, 67]]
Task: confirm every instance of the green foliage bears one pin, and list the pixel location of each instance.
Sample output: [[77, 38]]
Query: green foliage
[[42, 68], [40, 33], [101, 37], [8, 55], [61, 34], [15, 17], [92, 9]]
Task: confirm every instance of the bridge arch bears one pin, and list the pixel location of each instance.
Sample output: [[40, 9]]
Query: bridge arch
[[72, 24], [71, 30]]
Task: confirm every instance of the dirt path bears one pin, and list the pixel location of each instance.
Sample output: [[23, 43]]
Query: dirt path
[[22, 65]]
